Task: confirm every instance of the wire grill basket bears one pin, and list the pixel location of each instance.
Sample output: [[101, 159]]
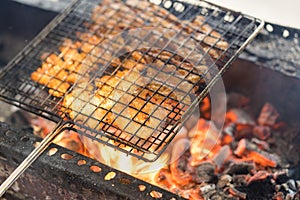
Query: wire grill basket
[[126, 73]]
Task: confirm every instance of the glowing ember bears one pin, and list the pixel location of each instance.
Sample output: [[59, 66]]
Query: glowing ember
[[195, 157], [110, 176]]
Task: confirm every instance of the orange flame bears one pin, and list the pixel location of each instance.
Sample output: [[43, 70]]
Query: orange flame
[[175, 169]]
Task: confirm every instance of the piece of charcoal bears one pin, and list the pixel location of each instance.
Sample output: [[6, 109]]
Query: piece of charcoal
[[221, 157], [268, 115], [292, 185], [281, 177], [233, 191], [262, 132], [205, 173], [239, 168], [239, 180], [224, 180]]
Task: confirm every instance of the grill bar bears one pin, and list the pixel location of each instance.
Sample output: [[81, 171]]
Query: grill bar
[[16, 144]]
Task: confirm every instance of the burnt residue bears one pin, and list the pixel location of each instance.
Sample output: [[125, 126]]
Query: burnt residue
[[276, 47]]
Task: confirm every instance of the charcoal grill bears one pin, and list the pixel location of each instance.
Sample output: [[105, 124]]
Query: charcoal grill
[[18, 89], [60, 178]]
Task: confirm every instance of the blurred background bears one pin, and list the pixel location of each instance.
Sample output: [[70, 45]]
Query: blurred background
[[277, 11]]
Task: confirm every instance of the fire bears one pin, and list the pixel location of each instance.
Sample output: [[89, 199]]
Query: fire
[[204, 141], [67, 139], [194, 153]]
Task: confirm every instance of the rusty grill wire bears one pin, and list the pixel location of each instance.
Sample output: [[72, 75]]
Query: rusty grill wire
[[183, 49]]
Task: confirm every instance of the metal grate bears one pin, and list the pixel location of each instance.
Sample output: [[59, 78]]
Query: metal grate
[[126, 74]]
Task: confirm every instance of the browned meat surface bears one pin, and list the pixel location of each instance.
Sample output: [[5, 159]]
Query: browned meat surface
[[147, 89]]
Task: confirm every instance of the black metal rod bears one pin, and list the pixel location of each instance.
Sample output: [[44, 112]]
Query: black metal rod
[[30, 159]]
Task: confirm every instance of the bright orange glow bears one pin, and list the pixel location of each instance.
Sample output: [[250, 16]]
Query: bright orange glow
[[175, 169], [231, 116], [260, 159], [204, 141]]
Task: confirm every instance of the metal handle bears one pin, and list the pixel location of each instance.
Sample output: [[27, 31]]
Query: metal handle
[[30, 159]]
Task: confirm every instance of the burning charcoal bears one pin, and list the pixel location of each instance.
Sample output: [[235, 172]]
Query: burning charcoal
[[259, 186], [222, 156], [262, 132], [268, 115], [205, 173], [239, 116], [229, 129], [164, 179], [273, 159], [241, 148], [259, 176], [194, 194], [224, 181], [227, 136], [261, 144], [239, 168], [237, 193], [41, 126], [253, 153], [71, 140], [261, 159], [230, 197], [226, 139], [243, 131], [251, 146]]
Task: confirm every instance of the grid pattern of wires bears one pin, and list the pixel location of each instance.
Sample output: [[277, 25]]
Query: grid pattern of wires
[[125, 73]]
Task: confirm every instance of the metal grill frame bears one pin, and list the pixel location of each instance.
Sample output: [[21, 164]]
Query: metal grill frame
[[214, 16], [16, 144], [282, 57]]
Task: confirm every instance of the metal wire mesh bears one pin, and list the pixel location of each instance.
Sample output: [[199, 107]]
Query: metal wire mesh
[[125, 73]]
